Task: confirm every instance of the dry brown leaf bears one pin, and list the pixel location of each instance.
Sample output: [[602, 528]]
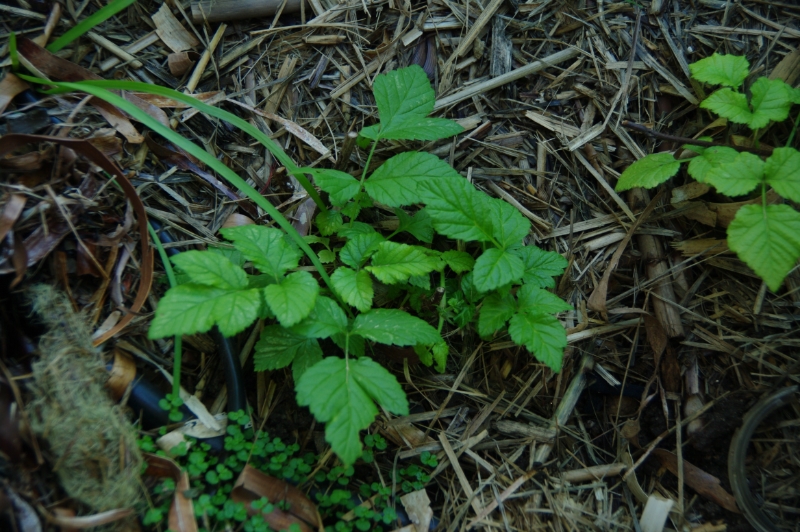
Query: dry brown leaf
[[181, 512], [703, 483], [170, 30], [252, 484]]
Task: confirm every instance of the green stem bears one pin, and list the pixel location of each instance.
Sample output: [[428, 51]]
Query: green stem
[[366, 166], [794, 130], [173, 282], [443, 302]]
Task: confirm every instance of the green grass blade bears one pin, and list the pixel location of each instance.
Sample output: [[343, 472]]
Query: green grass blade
[[12, 51], [88, 23], [178, 344], [283, 158], [196, 151]]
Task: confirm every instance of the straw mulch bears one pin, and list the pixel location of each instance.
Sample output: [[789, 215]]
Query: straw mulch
[[674, 324]]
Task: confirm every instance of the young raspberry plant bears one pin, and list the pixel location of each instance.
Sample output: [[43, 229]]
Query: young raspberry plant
[[766, 237]]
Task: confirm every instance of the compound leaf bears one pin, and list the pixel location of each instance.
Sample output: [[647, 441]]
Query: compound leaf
[[533, 299], [767, 239], [495, 312], [325, 320], [394, 327], [278, 347], [458, 210], [265, 247], [341, 393], [540, 265], [210, 269], [420, 225], [193, 308], [727, 70], [729, 104], [340, 186], [737, 177], [542, 335], [782, 172], [355, 288], [395, 262], [359, 248], [395, 182], [771, 100], [649, 171], [292, 299], [459, 261], [495, 268]]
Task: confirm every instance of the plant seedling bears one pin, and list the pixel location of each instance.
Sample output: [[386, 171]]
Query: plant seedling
[[766, 237]]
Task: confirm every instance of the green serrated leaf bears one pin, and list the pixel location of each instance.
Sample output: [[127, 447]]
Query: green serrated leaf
[[420, 281], [471, 293], [649, 171], [421, 128], [193, 308], [794, 95], [495, 312], [436, 353], [265, 247], [355, 288], [540, 266], [495, 268], [738, 177], [699, 150], [729, 104], [542, 335], [459, 261], [420, 225], [767, 239], [352, 229], [710, 158], [395, 182], [394, 327], [325, 320], [359, 248], [351, 209], [326, 256], [395, 262], [292, 299], [278, 347], [328, 222], [727, 70], [305, 359], [341, 393], [210, 269], [340, 186], [782, 171], [770, 100], [356, 346], [404, 99], [510, 227], [458, 210], [367, 135], [230, 253], [533, 299]]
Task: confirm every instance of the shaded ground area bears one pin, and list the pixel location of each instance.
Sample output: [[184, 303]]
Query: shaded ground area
[[674, 332]]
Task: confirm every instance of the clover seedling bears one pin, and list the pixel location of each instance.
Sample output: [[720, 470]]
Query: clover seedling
[[507, 279], [765, 237]]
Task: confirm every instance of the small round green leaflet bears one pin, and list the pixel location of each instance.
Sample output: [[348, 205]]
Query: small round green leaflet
[[649, 172]]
